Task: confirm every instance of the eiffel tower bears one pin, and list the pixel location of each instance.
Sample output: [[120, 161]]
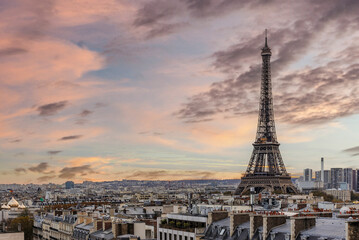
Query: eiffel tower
[[266, 170]]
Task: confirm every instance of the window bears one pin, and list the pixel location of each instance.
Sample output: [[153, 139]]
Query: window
[[191, 238], [174, 237], [160, 235], [165, 236], [170, 236], [185, 238], [180, 237]]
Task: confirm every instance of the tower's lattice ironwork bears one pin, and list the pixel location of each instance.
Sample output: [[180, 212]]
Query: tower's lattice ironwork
[[266, 169]]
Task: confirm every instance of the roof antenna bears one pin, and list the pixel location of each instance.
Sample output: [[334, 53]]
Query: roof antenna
[[266, 45]]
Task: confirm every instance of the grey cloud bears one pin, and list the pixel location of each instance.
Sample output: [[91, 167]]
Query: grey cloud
[[151, 133], [154, 11], [80, 121], [214, 8], [83, 115], [72, 137], [86, 113], [147, 175], [71, 172], [40, 168], [52, 108], [164, 29], [143, 133], [239, 96], [38, 24], [100, 105], [53, 152], [19, 154], [163, 174], [12, 51], [45, 178], [20, 170], [162, 17], [232, 100], [157, 133], [16, 140], [354, 151], [159, 18]]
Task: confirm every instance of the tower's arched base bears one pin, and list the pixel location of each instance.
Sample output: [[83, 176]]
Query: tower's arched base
[[281, 184]]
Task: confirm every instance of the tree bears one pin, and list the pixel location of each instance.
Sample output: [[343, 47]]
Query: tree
[[354, 196], [26, 224], [327, 197], [25, 213]]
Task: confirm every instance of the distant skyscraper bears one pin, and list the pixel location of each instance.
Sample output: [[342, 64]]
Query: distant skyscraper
[[336, 176], [308, 175], [322, 169], [318, 176], [348, 177], [327, 179], [356, 180], [69, 184]]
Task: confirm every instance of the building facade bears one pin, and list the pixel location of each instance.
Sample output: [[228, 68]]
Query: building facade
[[336, 177], [181, 227], [308, 175]]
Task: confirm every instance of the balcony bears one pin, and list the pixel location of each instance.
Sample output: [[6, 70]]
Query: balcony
[[197, 230]]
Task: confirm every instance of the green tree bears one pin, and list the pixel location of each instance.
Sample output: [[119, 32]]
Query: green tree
[[327, 197], [354, 196]]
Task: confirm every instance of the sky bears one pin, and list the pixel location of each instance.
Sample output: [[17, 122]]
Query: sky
[[99, 90]]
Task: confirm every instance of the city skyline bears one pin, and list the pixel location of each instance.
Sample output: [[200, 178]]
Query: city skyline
[[168, 90]]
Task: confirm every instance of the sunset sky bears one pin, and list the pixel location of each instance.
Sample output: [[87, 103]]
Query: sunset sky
[[169, 89]]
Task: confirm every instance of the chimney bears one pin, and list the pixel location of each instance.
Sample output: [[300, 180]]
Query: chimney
[[216, 216], [322, 170], [112, 212], [97, 224], [352, 229], [271, 221], [255, 222], [88, 220], [115, 230], [237, 219], [81, 217], [106, 224], [299, 224]]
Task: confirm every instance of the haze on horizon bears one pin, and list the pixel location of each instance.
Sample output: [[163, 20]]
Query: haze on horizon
[[166, 90]]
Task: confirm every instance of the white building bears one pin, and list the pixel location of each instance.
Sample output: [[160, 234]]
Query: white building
[[11, 210], [181, 227]]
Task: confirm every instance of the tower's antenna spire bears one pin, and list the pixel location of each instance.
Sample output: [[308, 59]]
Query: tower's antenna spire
[[266, 45]]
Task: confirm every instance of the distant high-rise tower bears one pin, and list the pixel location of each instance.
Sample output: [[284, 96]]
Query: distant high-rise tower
[[348, 177], [308, 175], [266, 169], [322, 169], [336, 177], [69, 184], [356, 180]]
